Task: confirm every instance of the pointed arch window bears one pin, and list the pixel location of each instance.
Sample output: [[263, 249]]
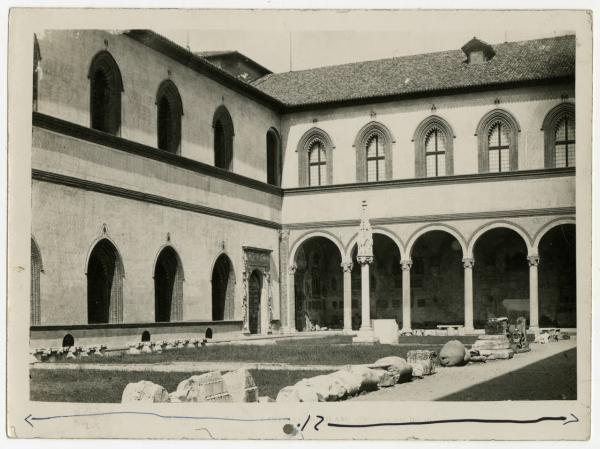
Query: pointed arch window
[[559, 136], [498, 148], [106, 87], [434, 140], [373, 145], [435, 153], [497, 135], [169, 112], [315, 160], [317, 164]]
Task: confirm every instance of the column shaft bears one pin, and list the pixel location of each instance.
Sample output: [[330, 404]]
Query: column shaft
[[468, 264], [406, 324], [533, 293], [365, 299], [347, 267], [291, 297]]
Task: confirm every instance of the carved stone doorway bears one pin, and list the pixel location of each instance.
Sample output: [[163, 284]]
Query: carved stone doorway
[[257, 300]]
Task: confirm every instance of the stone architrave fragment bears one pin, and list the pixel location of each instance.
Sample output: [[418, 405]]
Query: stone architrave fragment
[[241, 386], [144, 391], [208, 387], [400, 368]]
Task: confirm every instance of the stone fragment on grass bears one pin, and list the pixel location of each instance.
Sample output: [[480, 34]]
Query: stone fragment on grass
[[454, 353], [208, 387], [498, 343], [421, 361], [298, 393], [386, 378], [241, 386], [402, 370], [497, 353], [326, 387], [350, 380], [144, 391], [265, 399], [369, 378]]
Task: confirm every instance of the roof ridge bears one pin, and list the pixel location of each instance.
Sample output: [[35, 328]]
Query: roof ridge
[[553, 38]]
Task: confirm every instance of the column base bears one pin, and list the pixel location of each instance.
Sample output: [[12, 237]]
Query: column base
[[348, 331], [468, 331], [288, 330], [405, 331], [533, 330], [365, 336]]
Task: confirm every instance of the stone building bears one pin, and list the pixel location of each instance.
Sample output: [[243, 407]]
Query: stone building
[[175, 193]]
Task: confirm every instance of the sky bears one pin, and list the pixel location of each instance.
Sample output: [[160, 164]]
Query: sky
[[300, 40]]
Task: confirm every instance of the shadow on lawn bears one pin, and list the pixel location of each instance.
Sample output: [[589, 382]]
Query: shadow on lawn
[[554, 378]]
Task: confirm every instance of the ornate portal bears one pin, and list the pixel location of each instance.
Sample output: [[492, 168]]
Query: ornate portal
[[257, 264]]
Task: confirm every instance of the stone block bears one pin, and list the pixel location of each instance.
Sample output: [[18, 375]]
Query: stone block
[[298, 393], [265, 399], [386, 331], [423, 362], [208, 387], [241, 386], [144, 391], [369, 378], [454, 353], [326, 387], [500, 343], [497, 353], [350, 380], [397, 365]]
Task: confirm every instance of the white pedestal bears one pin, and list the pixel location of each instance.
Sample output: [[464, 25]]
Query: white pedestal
[[386, 331]]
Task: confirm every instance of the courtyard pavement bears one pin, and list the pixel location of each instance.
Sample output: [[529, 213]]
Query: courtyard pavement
[[455, 380]]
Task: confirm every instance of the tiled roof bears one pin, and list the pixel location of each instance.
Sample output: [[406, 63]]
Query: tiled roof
[[514, 62]]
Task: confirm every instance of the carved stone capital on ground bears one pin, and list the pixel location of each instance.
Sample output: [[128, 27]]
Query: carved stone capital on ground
[[533, 260], [468, 262]]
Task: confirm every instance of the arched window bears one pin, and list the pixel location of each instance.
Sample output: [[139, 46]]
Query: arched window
[[373, 153], [273, 158], [315, 158], [105, 284], [106, 87], [168, 286], [36, 270], [223, 138], [223, 289], [317, 164], [434, 141], [498, 133], [559, 136], [169, 112]]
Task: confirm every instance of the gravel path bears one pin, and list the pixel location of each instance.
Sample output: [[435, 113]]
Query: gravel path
[[447, 381]]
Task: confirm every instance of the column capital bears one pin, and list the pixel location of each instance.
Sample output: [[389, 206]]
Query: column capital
[[284, 234], [347, 266], [468, 262], [365, 260], [533, 260], [292, 268], [406, 264]]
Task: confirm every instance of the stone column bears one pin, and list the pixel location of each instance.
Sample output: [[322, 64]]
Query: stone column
[[533, 261], [468, 263], [365, 334], [291, 298], [406, 265], [347, 267], [245, 300], [284, 247]]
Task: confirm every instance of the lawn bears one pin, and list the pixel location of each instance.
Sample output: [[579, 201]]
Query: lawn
[[335, 350], [78, 385]]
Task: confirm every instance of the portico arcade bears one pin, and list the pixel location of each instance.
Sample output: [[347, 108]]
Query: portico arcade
[[458, 273]]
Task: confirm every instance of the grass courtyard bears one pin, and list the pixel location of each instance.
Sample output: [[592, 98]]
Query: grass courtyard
[[549, 378]]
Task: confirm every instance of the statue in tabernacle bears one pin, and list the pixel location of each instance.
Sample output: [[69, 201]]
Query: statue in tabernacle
[[365, 237]]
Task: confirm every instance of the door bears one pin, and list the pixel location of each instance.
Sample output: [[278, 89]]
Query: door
[[254, 290]]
